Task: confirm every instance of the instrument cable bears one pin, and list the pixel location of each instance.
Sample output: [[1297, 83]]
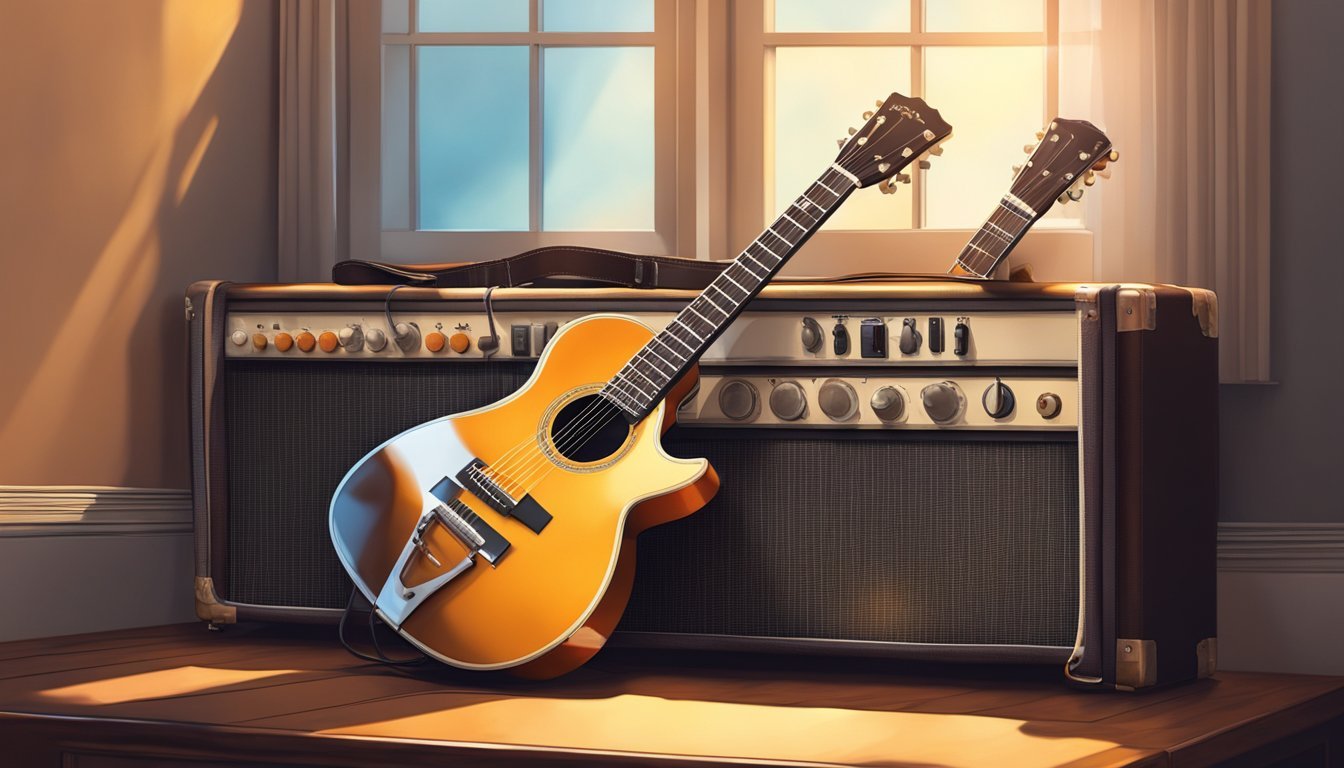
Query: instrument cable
[[381, 657]]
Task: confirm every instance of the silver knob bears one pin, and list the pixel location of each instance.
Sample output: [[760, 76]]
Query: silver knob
[[999, 400], [375, 339], [239, 338], [351, 338], [943, 401], [407, 336], [788, 401], [888, 403], [838, 400], [811, 334], [737, 399]]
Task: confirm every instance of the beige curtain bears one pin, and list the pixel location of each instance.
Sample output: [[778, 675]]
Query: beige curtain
[[313, 227], [1182, 88]]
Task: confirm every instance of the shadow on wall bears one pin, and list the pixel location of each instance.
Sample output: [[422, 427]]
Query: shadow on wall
[[142, 140]]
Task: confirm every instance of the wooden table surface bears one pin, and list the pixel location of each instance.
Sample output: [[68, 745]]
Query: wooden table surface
[[295, 696]]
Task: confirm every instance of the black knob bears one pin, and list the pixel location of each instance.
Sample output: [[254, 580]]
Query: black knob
[[943, 402], [910, 338], [838, 400], [788, 401], [961, 339], [737, 399], [998, 400], [840, 335], [811, 335], [888, 403]]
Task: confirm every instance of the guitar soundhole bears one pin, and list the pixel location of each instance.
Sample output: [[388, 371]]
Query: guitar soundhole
[[588, 429]]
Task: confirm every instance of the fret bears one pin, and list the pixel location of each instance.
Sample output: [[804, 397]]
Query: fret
[[802, 210], [823, 185], [982, 250], [735, 301], [968, 268], [1011, 208], [794, 223], [635, 370], [680, 341], [715, 304], [610, 393], [691, 308], [748, 256], [724, 274], [781, 237], [688, 328], [757, 241], [672, 367], [993, 229], [631, 392]]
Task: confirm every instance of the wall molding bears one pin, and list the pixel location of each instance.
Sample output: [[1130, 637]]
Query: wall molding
[[78, 510], [1281, 547]]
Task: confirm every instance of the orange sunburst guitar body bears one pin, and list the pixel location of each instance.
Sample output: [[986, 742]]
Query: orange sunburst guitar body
[[503, 538]]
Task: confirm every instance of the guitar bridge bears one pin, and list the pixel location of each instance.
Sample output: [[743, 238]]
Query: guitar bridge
[[397, 599], [527, 511]]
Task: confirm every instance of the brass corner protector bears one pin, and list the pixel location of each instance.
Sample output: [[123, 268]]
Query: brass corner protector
[[208, 606], [1206, 657], [1135, 664], [1135, 309], [1204, 306]]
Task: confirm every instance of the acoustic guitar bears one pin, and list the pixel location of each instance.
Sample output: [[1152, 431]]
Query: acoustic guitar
[[1065, 161], [503, 538]]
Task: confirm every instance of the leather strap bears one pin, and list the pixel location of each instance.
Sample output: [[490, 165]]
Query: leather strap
[[554, 265]]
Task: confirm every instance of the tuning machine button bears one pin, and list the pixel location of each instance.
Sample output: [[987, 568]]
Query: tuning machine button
[[910, 338], [811, 335], [840, 338], [351, 338], [999, 400], [838, 400], [738, 400], [1049, 405], [788, 401], [888, 404], [239, 338], [944, 402]]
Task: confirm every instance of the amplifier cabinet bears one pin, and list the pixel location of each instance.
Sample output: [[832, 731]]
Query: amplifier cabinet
[[914, 469]]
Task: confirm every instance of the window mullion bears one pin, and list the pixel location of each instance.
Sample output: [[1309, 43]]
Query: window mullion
[[534, 113]]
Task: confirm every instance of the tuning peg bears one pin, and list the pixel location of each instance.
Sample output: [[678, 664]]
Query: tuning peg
[[853, 130], [925, 165], [903, 178], [1105, 173], [1063, 199], [1090, 178], [841, 143], [868, 115], [1074, 195], [1040, 135], [878, 103], [888, 187], [1028, 148], [936, 150], [1017, 169], [1113, 155]]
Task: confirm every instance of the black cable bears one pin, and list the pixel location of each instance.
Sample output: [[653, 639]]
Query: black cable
[[489, 344], [381, 658]]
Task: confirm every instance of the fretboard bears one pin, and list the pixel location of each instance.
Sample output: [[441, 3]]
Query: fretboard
[[1010, 220], [643, 382]]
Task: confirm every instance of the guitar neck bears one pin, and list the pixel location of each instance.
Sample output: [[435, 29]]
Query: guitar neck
[[648, 376], [1000, 233]]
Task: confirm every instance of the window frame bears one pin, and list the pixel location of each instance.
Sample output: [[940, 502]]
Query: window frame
[[710, 178]]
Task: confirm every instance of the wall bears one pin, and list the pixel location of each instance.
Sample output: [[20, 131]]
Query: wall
[[139, 145]]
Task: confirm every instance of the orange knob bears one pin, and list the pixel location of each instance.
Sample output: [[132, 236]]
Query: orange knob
[[306, 341], [434, 341], [327, 341], [259, 341], [460, 342], [283, 341]]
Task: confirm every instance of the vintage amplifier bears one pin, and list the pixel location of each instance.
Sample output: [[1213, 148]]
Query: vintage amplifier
[[915, 468]]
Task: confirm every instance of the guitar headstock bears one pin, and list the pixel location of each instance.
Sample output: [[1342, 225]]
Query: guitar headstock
[[1067, 159], [900, 132]]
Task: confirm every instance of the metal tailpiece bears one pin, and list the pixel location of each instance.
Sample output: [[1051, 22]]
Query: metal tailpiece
[[397, 600]]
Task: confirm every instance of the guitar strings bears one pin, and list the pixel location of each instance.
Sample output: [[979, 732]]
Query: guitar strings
[[588, 424]]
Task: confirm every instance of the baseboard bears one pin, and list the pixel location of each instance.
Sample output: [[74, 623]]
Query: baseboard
[[67, 510]]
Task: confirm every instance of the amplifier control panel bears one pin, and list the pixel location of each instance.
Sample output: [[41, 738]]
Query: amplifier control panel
[[816, 337], [924, 401]]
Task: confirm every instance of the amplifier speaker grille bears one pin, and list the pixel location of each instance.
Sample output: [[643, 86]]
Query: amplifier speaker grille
[[830, 537], [870, 539]]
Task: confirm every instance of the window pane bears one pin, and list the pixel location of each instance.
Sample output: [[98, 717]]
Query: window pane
[[396, 137], [472, 16], [995, 97], [980, 16], [818, 93], [472, 137], [597, 15], [849, 16], [597, 143]]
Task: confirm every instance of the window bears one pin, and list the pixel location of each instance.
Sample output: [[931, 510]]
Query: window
[[511, 124], [643, 125]]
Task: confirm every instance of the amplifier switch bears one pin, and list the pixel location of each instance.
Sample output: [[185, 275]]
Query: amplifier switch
[[351, 338], [873, 338], [943, 402], [910, 338], [936, 338], [521, 339], [788, 400], [1049, 405], [840, 335], [961, 338], [888, 404]]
